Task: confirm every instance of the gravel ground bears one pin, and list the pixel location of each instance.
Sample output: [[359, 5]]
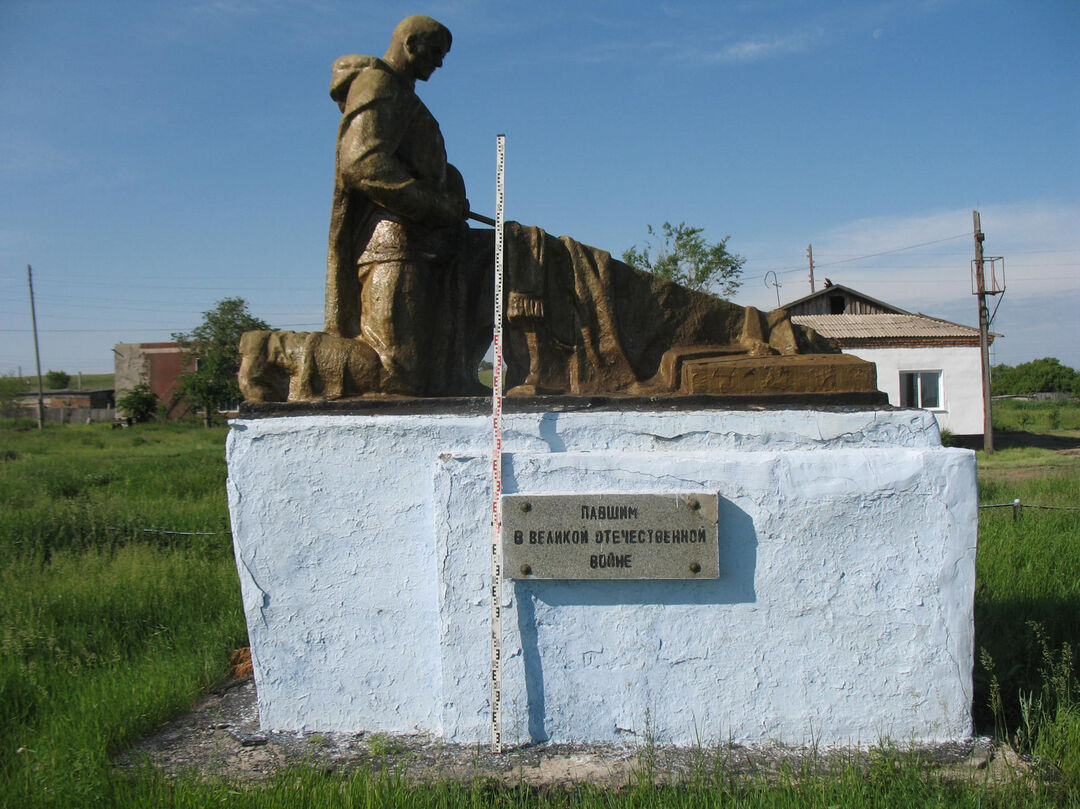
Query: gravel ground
[[221, 737]]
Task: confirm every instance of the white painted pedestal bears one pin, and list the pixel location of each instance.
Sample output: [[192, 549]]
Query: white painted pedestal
[[842, 615]]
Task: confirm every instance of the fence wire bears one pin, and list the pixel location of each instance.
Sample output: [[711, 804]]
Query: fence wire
[[1018, 507]]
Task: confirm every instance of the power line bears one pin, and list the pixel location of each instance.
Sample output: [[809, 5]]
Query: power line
[[134, 329], [893, 250], [798, 268]]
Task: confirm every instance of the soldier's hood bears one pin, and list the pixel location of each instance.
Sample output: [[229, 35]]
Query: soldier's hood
[[347, 68]]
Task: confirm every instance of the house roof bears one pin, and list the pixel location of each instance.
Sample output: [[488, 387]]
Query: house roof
[[875, 327], [832, 289]]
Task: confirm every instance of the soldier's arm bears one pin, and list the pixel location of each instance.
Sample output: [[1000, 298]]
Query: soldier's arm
[[367, 162]]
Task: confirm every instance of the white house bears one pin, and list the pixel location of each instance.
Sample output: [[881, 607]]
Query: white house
[[922, 361]]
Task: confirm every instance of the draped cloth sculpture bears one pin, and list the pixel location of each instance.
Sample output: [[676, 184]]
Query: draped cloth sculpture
[[409, 285]]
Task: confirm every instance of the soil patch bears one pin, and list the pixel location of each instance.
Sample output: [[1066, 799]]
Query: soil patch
[[220, 737]]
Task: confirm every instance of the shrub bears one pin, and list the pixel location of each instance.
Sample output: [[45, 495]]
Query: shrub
[[10, 388], [139, 403], [57, 379]]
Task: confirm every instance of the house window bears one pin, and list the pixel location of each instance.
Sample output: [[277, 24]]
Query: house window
[[920, 389], [837, 305]]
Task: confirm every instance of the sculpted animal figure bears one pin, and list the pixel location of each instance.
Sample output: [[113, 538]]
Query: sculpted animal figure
[[278, 366]]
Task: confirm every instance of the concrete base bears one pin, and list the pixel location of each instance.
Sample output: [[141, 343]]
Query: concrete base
[[842, 615]]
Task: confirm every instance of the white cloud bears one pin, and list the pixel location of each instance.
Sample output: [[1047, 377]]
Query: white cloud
[[1040, 242], [764, 47]]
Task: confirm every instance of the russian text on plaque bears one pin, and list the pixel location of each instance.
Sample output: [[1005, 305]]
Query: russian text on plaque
[[611, 536]]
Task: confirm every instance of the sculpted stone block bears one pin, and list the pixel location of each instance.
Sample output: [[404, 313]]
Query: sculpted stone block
[[409, 284]]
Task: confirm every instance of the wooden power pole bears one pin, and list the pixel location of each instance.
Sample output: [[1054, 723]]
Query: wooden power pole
[[810, 256], [37, 354], [984, 334]]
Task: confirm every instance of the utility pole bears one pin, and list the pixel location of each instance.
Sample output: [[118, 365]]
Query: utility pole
[[984, 334], [810, 255], [37, 354]]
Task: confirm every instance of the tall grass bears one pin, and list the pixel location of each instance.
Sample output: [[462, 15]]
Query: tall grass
[[1057, 416], [89, 486], [98, 647], [1027, 608], [889, 782], [107, 629]]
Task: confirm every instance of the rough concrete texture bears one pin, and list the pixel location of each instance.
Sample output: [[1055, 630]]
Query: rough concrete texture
[[842, 615]]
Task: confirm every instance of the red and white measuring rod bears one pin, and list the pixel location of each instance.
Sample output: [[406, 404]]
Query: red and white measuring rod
[[496, 456]]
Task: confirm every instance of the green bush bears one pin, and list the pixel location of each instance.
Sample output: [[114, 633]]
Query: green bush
[[57, 379], [1038, 376], [11, 387], [138, 403]]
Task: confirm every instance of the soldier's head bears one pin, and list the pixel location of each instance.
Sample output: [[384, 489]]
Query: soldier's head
[[418, 46]]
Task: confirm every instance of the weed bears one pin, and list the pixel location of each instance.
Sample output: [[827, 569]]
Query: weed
[[383, 744]]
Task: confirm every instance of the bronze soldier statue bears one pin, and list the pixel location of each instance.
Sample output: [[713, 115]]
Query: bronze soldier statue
[[399, 273]]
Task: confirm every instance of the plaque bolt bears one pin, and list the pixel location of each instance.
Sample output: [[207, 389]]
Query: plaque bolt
[[695, 568], [695, 505], [526, 570], [526, 507]]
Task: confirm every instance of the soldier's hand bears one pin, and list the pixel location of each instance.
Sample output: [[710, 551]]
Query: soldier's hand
[[450, 209]]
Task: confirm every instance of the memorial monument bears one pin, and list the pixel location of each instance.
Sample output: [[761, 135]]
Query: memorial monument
[[409, 284], [715, 528]]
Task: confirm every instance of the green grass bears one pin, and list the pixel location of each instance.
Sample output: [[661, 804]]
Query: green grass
[[90, 486], [107, 629], [98, 647], [1058, 417], [107, 626], [890, 781], [89, 381], [1027, 603]]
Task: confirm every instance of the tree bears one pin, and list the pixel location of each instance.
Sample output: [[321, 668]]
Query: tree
[[1038, 376], [212, 352], [138, 402], [55, 380], [11, 387], [683, 256]]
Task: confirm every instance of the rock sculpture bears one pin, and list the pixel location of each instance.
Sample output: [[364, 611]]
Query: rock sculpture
[[409, 284]]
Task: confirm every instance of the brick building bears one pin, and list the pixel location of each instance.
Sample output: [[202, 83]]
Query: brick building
[[159, 365]]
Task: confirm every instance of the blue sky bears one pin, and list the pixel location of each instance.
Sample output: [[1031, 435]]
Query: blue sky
[[157, 157]]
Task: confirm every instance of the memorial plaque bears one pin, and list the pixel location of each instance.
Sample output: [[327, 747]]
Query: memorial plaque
[[610, 536]]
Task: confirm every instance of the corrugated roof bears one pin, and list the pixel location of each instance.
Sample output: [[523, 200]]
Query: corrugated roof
[[883, 326]]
